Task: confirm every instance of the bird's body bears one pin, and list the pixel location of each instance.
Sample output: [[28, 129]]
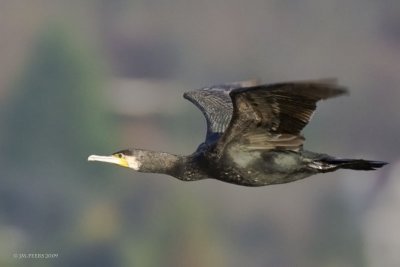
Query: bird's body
[[251, 168], [253, 137]]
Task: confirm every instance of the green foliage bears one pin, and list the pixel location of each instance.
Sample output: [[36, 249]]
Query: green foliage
[[57, 115], [55, 119]]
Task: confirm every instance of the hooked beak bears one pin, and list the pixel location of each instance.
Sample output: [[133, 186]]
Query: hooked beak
[[109, 159]]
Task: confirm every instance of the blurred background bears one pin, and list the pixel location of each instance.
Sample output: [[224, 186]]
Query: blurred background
[[92, 77]]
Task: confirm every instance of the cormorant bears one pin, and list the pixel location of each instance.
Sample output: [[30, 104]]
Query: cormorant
[[253, 136]]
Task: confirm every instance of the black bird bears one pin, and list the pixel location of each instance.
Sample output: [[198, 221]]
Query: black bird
[[253, 136]]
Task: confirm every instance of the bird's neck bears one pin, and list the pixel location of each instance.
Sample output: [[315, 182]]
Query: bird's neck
[[184, 168], [161, 162]]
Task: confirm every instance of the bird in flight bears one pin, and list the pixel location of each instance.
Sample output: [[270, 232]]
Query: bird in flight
[[253, 136]]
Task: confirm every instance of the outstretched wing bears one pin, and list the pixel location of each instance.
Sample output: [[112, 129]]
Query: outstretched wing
[[272, 116], [216, 105]]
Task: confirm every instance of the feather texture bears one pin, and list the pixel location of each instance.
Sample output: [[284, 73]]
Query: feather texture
[[272, 116]]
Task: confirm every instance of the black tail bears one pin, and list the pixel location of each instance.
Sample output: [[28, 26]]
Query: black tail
[[356, 164]]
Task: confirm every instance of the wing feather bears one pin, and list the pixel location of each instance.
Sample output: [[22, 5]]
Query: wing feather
[[216, 105], [272, 116]]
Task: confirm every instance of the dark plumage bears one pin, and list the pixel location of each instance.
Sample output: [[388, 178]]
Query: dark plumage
[[253, 136]]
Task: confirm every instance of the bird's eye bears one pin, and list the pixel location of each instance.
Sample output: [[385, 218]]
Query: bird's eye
[[119, 155]]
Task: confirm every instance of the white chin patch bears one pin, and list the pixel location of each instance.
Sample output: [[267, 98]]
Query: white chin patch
[[133, 163]]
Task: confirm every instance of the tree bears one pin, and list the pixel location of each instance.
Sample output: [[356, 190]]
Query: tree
[[54, 120]]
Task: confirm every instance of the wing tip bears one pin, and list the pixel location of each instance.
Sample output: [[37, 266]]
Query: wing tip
[[331, 86], [335, 91]]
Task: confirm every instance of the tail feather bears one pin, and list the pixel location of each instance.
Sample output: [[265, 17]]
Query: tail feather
[[356, 164]]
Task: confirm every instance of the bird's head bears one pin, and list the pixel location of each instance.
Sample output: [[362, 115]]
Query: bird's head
[[126, 158]]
